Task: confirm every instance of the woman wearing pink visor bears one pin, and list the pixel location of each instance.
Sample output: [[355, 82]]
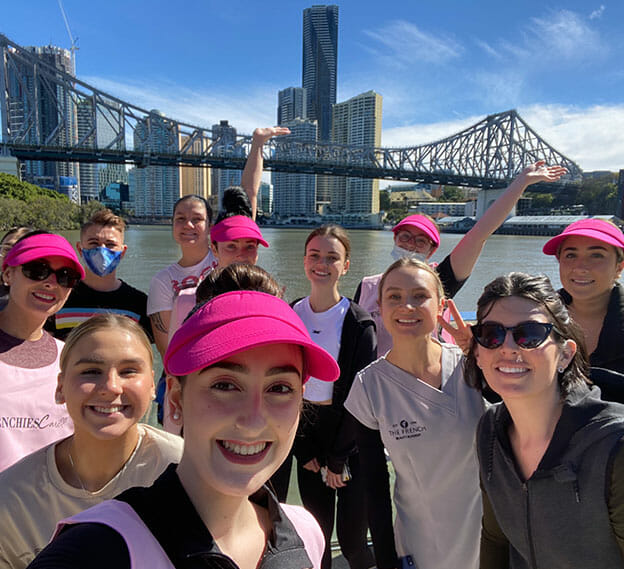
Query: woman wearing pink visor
[[417, 237], [39, 272], [591, 258], [236, 371]]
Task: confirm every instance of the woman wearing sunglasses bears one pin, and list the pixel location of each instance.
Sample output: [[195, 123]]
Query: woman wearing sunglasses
[[414, 402], [550, 455], [39, 272]]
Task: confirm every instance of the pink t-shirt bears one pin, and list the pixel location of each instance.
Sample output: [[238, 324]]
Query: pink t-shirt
[[29, 417]]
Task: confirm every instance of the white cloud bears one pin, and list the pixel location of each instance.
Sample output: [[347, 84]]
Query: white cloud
[[401, 43], [593, 137], [487, 48], [244, 110], [597, 14]]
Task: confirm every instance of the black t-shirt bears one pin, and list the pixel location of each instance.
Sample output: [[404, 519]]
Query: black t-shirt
[[84, 302]]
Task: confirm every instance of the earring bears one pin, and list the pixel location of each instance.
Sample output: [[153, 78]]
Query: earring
[[176, 415], [560, 369]]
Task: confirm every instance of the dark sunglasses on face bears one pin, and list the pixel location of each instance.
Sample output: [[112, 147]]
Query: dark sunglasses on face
[[526, 335], [40, 271]]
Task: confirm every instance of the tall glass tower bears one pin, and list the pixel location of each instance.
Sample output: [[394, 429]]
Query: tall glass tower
[[320, 56]]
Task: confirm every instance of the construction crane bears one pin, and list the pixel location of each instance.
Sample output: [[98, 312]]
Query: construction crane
[[74, 47]]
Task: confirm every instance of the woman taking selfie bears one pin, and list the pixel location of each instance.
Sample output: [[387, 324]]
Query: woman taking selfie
[[236, 369]]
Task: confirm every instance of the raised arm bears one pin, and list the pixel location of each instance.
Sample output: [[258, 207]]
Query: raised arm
[[252, 174], [467, 251]]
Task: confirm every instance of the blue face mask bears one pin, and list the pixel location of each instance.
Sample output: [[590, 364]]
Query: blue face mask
[[101, 260]]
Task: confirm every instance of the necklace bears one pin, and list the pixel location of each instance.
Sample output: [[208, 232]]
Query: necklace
[[71, 461]]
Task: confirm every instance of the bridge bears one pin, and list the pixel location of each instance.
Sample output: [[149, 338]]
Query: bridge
[[486, 155]]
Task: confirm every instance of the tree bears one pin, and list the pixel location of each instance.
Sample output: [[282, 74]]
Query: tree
[[452, 194]]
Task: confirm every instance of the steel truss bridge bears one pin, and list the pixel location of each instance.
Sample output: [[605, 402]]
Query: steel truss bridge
[[108, 130]]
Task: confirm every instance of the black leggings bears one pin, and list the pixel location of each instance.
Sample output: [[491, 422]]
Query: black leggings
[[350, 513]]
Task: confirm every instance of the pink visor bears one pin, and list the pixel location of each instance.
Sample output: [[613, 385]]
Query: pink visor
[[237, 321], [594, 228], [421, 222], [40, 246], [236, 227]]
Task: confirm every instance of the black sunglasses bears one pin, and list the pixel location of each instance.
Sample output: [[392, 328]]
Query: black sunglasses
[[526, 335], [40, 271]]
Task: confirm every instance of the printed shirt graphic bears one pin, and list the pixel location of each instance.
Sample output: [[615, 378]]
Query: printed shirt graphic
[[168, 283], [430, 437]]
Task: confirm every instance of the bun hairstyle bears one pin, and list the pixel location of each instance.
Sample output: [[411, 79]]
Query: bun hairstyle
[[234, 202]]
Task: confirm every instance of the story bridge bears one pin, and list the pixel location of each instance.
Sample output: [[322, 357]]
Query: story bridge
[[50, 115]]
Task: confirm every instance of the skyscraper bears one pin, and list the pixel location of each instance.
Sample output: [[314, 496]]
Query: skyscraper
[[224, 137], [294, 194], [89, 187], [55, 117], [156, 188], [357, 122], [291, 104], [320, 57]]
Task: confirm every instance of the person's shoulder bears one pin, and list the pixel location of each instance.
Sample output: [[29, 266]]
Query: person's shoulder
[[23, 473], [372, 280], [165, 442], [129, 289], [361, 315]]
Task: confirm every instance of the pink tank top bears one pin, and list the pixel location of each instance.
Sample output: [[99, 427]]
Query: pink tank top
[[29, 417], [146, 552]]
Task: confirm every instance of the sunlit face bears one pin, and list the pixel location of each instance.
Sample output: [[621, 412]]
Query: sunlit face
[[107, 384], [102, 236], [409, 302], [588, 268], [513, 372], [414, 239], [190, 224], [325, 260], [41, 298], [240, 417], [236, 251]]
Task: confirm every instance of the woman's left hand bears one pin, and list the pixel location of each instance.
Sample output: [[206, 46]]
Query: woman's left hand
[[334, 480], [461, 333]]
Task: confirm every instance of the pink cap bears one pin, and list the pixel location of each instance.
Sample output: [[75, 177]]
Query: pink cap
[[40, 246], [594, 228], [236, 227], [237, 321], [426, 225]]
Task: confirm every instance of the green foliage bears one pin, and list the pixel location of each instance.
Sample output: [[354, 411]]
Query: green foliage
[[541, 201], [384, 200], [11, 187], [24, 204], [452, 194]]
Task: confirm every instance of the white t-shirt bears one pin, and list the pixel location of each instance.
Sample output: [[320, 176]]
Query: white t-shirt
[[430, 437], [34, 496], [166, 284], [325, 329]]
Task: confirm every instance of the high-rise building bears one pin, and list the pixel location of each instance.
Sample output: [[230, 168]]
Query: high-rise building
[[55, 115], [111, 173], [156, 188], [357, 122], [265, 198], [87, 135], [194, 180], [224, 139], [320, 58], [291, 104], [294, 194]]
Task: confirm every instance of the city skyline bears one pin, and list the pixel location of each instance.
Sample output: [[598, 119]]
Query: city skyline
[[439, 68]]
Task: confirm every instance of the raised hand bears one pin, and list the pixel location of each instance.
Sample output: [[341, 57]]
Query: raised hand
[[461, 332], [539, 172], [261, 135]]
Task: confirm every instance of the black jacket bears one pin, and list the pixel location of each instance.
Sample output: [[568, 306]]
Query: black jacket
[[328, 432]]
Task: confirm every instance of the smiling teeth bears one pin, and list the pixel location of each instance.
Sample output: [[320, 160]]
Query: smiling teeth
[[244, 449], [44, 296], [114, 409], [513, 369], [403, 321]]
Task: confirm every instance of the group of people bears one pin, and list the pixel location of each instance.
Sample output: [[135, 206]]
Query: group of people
[[339, 385]]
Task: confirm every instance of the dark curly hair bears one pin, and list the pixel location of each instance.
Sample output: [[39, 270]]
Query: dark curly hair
[[538, 289], [235, 202]]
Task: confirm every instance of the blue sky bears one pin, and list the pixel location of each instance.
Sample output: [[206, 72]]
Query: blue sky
[[440, 66]]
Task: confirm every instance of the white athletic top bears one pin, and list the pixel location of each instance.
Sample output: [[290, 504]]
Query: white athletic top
[[167, 283], [325, 329], [430, 437]]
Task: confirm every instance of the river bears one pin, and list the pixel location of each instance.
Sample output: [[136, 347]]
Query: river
[[151, 248]]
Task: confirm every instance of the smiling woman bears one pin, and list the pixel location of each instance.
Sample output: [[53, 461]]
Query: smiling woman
[[107, 382], [38, 272], [550, 455], [236, 369]]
